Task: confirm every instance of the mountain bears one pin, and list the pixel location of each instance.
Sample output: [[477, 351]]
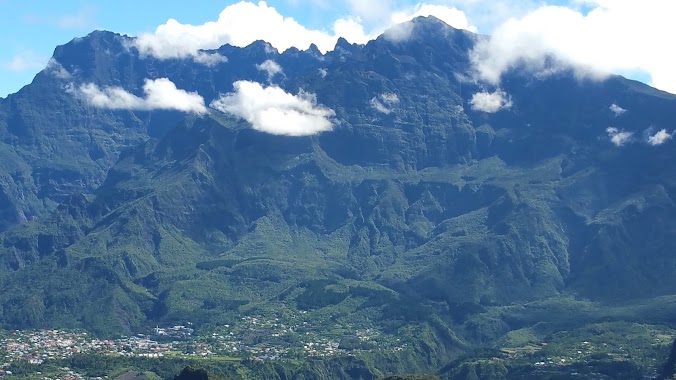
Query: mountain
[[55, 145], [418, 215]]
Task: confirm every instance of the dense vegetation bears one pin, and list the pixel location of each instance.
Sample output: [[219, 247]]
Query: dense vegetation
[[445, 227]]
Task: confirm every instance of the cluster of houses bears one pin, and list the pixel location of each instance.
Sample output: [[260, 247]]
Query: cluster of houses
[[254, 337], [37, 346], [290, 334]]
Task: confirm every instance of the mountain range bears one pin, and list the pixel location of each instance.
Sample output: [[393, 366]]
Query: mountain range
[[420, 210]]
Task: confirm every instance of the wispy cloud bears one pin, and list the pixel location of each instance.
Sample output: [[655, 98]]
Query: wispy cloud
[[491, 102], [385, 102], [271, 67], [56, 69], [209, 59], [27, 60], [83, 18], [159, 94], [618, 137], [273, 110]]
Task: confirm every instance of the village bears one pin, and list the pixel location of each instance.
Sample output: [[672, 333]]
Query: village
[[38, 346], [252, 337]]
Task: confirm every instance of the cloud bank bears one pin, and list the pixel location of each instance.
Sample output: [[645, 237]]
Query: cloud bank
[[618, 36], [242, 23], [238, 24], [273, 110], [491, 102], [159, 94]]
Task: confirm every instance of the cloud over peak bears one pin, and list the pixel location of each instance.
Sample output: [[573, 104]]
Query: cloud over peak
[[450, 15], [273, 110], [159, 93], [238, 24], [244, 22]]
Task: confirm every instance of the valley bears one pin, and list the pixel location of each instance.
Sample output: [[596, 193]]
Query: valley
[[409, 231]]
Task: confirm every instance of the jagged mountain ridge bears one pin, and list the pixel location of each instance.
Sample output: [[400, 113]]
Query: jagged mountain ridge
[[432, 212], [58, 145]]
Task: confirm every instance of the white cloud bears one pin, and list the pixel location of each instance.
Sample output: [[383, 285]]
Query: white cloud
[[323, 73], [273, 110], [159, 94], [56, 69], [618, 36], [26, 60], [271, 67], [269, 49], [617, 110], [384, 102], [244, 22], [659, 138], [491, 102], [349, 28], [618, 137]]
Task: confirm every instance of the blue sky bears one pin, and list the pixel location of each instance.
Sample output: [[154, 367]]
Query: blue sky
[[31, 29]]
